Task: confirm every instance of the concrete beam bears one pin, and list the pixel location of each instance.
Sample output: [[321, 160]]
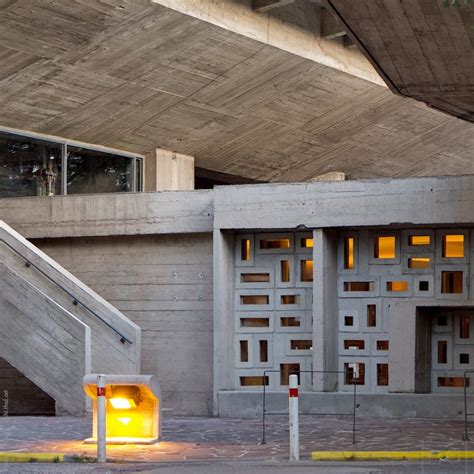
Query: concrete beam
[[262, 6], [330, 26], [301, 38]]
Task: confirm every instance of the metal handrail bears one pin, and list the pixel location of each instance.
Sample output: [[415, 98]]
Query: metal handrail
[[75, 301], [466, 414], [353, 414]]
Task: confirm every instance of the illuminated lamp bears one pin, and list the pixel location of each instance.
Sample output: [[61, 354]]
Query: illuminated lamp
[[133, 408]]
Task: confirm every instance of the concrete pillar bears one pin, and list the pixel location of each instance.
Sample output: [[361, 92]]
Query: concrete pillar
[[223, 313], [324, 308], [402, 351], [168, 171]]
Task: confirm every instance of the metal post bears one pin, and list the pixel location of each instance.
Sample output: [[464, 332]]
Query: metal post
[[294, 422], [354, 415], [101, 419], [466, 436], [263, 411]]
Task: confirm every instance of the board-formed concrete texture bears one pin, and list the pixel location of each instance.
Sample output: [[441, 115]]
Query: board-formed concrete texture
[[369, 278]]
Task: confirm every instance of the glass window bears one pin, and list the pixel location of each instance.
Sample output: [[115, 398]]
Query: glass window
[[90, 171], [29, 167], [384, 247]]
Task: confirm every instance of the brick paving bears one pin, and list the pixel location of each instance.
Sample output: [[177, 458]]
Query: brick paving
[[203, 439]]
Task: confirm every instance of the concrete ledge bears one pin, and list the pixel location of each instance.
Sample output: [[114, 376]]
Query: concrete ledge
[[390, 455], [31, 457], [248, 404]]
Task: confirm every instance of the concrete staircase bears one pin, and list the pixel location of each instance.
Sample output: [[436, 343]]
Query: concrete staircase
[[54, 329]]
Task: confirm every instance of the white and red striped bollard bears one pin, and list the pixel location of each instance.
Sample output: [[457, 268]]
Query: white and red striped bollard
[[101, 419], [294, 419]]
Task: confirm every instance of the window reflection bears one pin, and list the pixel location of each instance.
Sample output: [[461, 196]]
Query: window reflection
[[29, 167], [90, 171]]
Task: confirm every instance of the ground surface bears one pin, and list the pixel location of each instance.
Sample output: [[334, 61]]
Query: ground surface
[[208, 445]]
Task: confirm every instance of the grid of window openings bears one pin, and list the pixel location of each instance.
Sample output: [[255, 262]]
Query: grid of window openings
[[273, 309], [33, 166], [376, 267]]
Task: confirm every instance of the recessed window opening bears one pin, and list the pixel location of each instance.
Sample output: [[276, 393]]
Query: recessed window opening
[[306, 270], [397, 286], [371, 315], [454, 382], [289, 299], [286, 370], [245, 250], [384, 247], [244, 351], [382, 375], [354, 373], [464, 330], [253, 380], [464, 358], [349, 253], [419, 240], [263, 350], [451, 282], [254, 277], [442, 320], [285, 271], [453, 246], [254, 299], [348, 321], [382, 345], [254, 322], [290, 321], [442, 352], [358, 286], [306, 243], [419, 262], [358, 344], [301, 345], [424, 285], [267, 244]]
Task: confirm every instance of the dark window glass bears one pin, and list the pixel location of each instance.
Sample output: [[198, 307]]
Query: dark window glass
[[29, 167], [90, 171]]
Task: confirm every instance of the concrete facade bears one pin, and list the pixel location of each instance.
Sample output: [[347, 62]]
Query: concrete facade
[[183, 280]]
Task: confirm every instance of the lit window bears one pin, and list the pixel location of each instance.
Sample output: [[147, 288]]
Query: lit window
[[397, 286], [306, 270], [266, 244], [454, 382], [245, 250], [384, 247], [254, 299], [358, 286], [253, 380], [453, 246], [289, 299], [419, 240], [419, 262], [349, 253], [290, 321], [285, 270], [306, 243]]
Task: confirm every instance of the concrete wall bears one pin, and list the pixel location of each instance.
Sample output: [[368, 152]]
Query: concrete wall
[[164, 284]]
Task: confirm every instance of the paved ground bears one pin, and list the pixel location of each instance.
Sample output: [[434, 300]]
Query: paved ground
[[250, 467], [213, 439]]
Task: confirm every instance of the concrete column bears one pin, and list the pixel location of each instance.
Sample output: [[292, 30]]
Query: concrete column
[[324, 308], [223, 313], [168, 171], [402, 350]]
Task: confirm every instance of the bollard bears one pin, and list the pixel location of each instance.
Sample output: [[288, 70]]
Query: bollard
[[101, 419], [294, 421]]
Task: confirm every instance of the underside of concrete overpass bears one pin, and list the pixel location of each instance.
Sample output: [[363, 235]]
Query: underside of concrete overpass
[[279, 100]]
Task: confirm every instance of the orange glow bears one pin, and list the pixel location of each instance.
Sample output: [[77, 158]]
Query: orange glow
[[419, 240], [122, 403], [385, 247], [453, 246], [397, 286], [419, 262], [125, 420], [307, 243]]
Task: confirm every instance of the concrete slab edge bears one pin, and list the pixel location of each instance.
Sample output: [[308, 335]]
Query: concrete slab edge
[[33, 457], [390, 455]]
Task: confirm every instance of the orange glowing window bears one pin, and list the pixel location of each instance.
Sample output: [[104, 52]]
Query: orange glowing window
[[419, 262], [290, 321], [419, 240], [397, 286], [254, 299], [306, 243], [306, 270], [285, 271], [349, 253], [254, 277], [245, 250], [253, 380], [455, 382], [266, 244], [122, 403], [453, 246], [384, 247], [451, 282]]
